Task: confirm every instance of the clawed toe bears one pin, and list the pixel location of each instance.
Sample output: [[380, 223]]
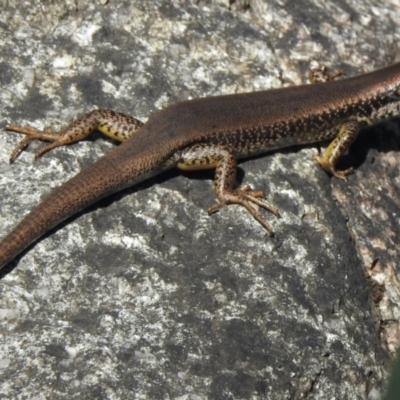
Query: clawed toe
[[24, 142], [26, 130], [245, 197], [32, 133]]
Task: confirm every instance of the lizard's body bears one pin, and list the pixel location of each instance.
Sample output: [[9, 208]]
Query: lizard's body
[[210, 133]]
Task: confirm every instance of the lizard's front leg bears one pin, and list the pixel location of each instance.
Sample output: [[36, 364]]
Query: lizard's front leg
[[223, 159], [113, 124], [347, 131], [347, 134]]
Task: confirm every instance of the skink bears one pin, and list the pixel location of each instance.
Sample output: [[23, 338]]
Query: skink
[[209, 133]]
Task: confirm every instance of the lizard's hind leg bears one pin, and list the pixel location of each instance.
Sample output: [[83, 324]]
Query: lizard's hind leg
[[113, 124]]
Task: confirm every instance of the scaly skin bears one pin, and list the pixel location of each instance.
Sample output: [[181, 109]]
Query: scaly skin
[[210, 133]]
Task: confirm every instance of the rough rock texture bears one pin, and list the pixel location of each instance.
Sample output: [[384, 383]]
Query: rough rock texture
[[144, 295]]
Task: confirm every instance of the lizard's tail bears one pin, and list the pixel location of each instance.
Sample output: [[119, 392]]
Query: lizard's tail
[[126, 165]]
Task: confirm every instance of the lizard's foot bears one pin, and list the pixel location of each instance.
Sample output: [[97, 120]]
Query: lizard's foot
[[330, 169], [32, 133], [245, 197], [320, 74]]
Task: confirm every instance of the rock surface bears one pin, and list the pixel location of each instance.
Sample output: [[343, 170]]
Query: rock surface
[[144, 295]]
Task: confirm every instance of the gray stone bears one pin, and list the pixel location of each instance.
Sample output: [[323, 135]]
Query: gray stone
[[144, 295]]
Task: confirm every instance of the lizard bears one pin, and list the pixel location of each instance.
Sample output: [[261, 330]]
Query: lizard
[[209, 133]]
